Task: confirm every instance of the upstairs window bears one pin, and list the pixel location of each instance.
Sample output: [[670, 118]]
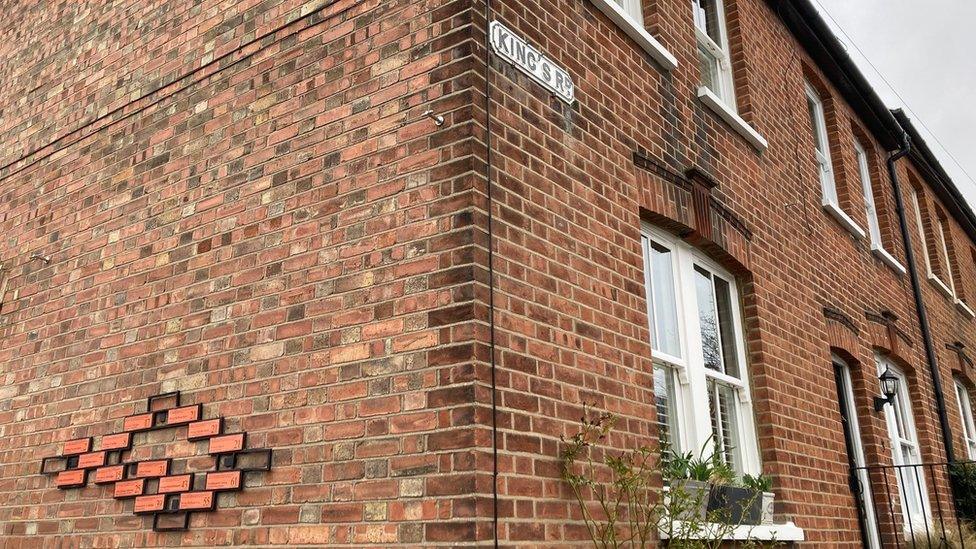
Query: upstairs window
[[822, 147], [966, 415], [923, 241], [942, 235], [864, 170], [633, 9], [713, 49], [697, 345]]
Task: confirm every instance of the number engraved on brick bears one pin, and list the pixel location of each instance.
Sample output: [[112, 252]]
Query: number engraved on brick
[[116, 442], [149, 504], [228, 480], [140, 422], [105, 475], [152, 468], [74, 477], [203, 429], [129, 488], [168, 485], [92, 460], [196, 500], [77, 446], [183, 415], [227, 443]]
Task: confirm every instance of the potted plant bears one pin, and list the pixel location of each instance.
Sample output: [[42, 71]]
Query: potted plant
[[736, 503], [763, 485]]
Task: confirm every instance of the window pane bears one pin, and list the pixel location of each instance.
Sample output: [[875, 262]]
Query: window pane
[[868, 189], [726, 323], [664, 335], [711, 341], [707, 19], [709, 70], [632, 8], [722, 407], [814, 110], [667, 413]]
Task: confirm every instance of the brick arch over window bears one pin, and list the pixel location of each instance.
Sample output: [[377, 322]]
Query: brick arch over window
[[887, 338], [684, 204], [843, 335]]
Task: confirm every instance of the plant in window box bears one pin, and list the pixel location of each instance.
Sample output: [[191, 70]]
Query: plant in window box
[[762, 485], [622, 501]]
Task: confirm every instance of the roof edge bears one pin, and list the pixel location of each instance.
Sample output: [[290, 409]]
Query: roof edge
[[936, 177], [830, 55]]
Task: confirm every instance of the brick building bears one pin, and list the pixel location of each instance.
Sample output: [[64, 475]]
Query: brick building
[[357, 232]]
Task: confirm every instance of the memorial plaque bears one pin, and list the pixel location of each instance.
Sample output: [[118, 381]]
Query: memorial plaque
[[120, 441], [227, 480], [70, 479], [227, 443], [196, 500], [149, 504], [183, 415], [129, 488], [140, 422], [92, 460], [105, 475], [77, 446], [159, 468], [203, 429], [169, 498], [180, 483]]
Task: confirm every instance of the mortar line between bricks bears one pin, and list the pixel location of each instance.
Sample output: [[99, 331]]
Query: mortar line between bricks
[[176, 81], [39, 108]]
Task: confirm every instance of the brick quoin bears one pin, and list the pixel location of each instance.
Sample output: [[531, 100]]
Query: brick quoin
[[245, 202]]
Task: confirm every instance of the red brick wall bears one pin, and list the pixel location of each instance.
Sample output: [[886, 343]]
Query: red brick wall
[[571, 313], [279, 234], [283, 237]]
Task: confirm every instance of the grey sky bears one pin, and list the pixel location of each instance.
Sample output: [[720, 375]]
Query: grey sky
[[923, 48]]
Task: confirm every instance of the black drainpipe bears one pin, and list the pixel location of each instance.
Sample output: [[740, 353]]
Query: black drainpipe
[[923, 319]]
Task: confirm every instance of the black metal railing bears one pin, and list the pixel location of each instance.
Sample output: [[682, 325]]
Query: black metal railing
[[925, 505]]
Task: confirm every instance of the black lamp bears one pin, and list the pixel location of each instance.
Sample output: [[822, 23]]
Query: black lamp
[[889, 387]]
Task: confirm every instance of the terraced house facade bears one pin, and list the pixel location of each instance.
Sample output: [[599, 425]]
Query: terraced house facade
[[345, 272]]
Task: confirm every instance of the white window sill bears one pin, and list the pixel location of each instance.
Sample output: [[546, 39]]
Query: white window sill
[[732, 118], [964, 309], [943, 288], [636, 32], [889, 260], [763, 532], [845, 220]]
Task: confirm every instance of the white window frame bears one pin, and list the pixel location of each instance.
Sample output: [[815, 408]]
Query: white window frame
[[719, 51], [864, 169], [854, 425], [821, 148], [871, 209], [825, 166], [933, 278], [634, 28], [900, 407], [966, 417], [693, 418], [944, 250], [633, 9]]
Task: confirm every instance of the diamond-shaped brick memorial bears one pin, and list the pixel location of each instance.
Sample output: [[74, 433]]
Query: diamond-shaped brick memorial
[[155, 489]]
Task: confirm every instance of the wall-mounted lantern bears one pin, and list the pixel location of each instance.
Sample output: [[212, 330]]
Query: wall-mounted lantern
[[889, 387]]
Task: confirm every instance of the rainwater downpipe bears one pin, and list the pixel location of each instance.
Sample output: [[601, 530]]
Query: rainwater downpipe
[[923, 319]]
